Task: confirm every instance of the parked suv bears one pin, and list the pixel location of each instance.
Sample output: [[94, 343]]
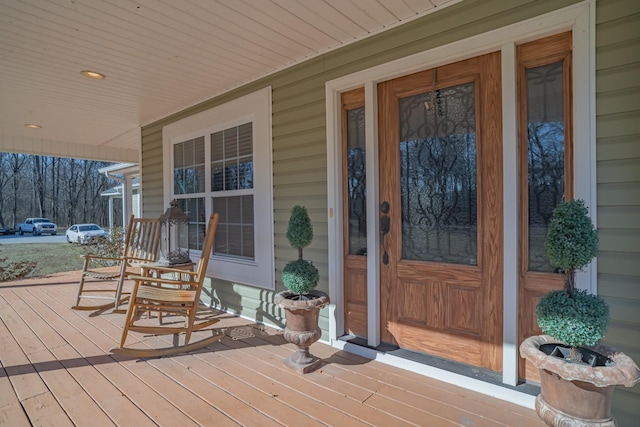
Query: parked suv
[[37, 226]]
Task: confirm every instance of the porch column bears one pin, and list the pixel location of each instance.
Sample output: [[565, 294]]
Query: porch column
[[127, 193], [110, 213]]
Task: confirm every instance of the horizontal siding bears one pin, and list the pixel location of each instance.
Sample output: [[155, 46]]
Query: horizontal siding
[[619, 286], [618, 194], [617, 78], [619, 170], [620, 240], [616, 125], [618, 147], [620, 101], [618, 175], [618, 217], [616, 262]]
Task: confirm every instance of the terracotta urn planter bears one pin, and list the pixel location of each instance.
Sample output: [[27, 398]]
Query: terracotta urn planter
[[302, 327], [573, 394]]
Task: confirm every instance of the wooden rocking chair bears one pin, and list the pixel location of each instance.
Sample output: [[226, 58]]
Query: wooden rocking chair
[[171, 291], [140, 247]]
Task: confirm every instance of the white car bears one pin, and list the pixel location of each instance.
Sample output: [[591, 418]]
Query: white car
[[85, 233]]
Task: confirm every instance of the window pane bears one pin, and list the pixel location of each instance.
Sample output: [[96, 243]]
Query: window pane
[[189, 158], [248, 248], [178, 181], [545, 155], [216, 147], [217, 176], [245, 173], [245, 139], [231, 143], [194, 210], [438, 176], [235, 235], [356, 182], [178, 155], [231, 175]]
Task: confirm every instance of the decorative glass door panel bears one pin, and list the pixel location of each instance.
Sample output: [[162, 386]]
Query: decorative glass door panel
[[441, 211], [545, 155], [438, 175], [356, 181]]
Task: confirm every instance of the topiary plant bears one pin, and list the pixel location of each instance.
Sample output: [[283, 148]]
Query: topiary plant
[[574, 317], [577, 320], [572, 240], [300, 276]]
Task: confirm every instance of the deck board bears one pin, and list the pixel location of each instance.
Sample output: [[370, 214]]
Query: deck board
[[77, 405], [56, 370]]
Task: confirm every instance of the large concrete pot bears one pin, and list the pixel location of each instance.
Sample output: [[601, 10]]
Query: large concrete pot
[[573, 395], [302, 327]]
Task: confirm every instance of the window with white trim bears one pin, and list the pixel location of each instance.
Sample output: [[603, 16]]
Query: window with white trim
[[220, 161]]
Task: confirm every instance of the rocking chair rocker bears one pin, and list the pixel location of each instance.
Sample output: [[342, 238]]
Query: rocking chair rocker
[[171, 291]]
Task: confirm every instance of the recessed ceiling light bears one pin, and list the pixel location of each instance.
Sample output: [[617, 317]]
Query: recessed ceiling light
[[32, 126], [92, 74]]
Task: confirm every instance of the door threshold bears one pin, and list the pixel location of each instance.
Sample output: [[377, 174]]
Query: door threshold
[[471, 377]]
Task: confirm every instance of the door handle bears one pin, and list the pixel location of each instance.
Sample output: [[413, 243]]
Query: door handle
[[385, 226]]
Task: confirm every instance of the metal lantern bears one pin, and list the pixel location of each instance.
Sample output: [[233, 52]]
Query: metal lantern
[[174, 243]]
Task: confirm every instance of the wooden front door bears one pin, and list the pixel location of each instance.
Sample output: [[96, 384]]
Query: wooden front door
[[441, 211]]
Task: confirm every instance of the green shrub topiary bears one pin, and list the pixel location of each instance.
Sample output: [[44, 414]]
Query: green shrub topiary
[[300, 276], [577, 320], [299, 229], [572, 240], [572, 316]]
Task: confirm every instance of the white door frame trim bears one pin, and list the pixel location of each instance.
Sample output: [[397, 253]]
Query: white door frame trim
[[580, 19]]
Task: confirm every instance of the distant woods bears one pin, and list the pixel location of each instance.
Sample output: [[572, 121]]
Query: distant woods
[[66, 191]]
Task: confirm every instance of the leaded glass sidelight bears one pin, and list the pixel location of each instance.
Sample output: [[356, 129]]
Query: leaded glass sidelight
[[438, 171], [356, 182], [545, 155]]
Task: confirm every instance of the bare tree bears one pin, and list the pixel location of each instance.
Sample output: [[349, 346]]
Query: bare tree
[[66, 190], [16, 162]]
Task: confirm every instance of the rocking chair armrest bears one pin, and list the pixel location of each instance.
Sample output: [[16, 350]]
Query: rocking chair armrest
[[103, 257], [167, 270], [93, 261], [135, 261], [163, 280]]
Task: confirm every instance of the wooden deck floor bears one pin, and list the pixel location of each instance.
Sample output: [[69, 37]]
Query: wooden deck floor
[[57, 371]]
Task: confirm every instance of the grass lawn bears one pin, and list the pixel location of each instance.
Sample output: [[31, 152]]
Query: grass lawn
[[50, 257]]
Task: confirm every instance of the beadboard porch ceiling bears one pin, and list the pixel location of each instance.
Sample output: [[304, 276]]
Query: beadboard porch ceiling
[[159, 56]]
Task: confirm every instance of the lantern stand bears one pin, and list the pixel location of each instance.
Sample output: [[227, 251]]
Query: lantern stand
[[174, 236]]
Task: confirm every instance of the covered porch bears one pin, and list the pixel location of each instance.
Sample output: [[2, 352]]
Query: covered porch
[[57, 370]]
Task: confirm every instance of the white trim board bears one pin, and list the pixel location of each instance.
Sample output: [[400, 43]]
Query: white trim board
[[578, 18]]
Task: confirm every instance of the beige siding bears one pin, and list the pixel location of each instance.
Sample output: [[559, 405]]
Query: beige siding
[[299, 151], [618, 175]]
